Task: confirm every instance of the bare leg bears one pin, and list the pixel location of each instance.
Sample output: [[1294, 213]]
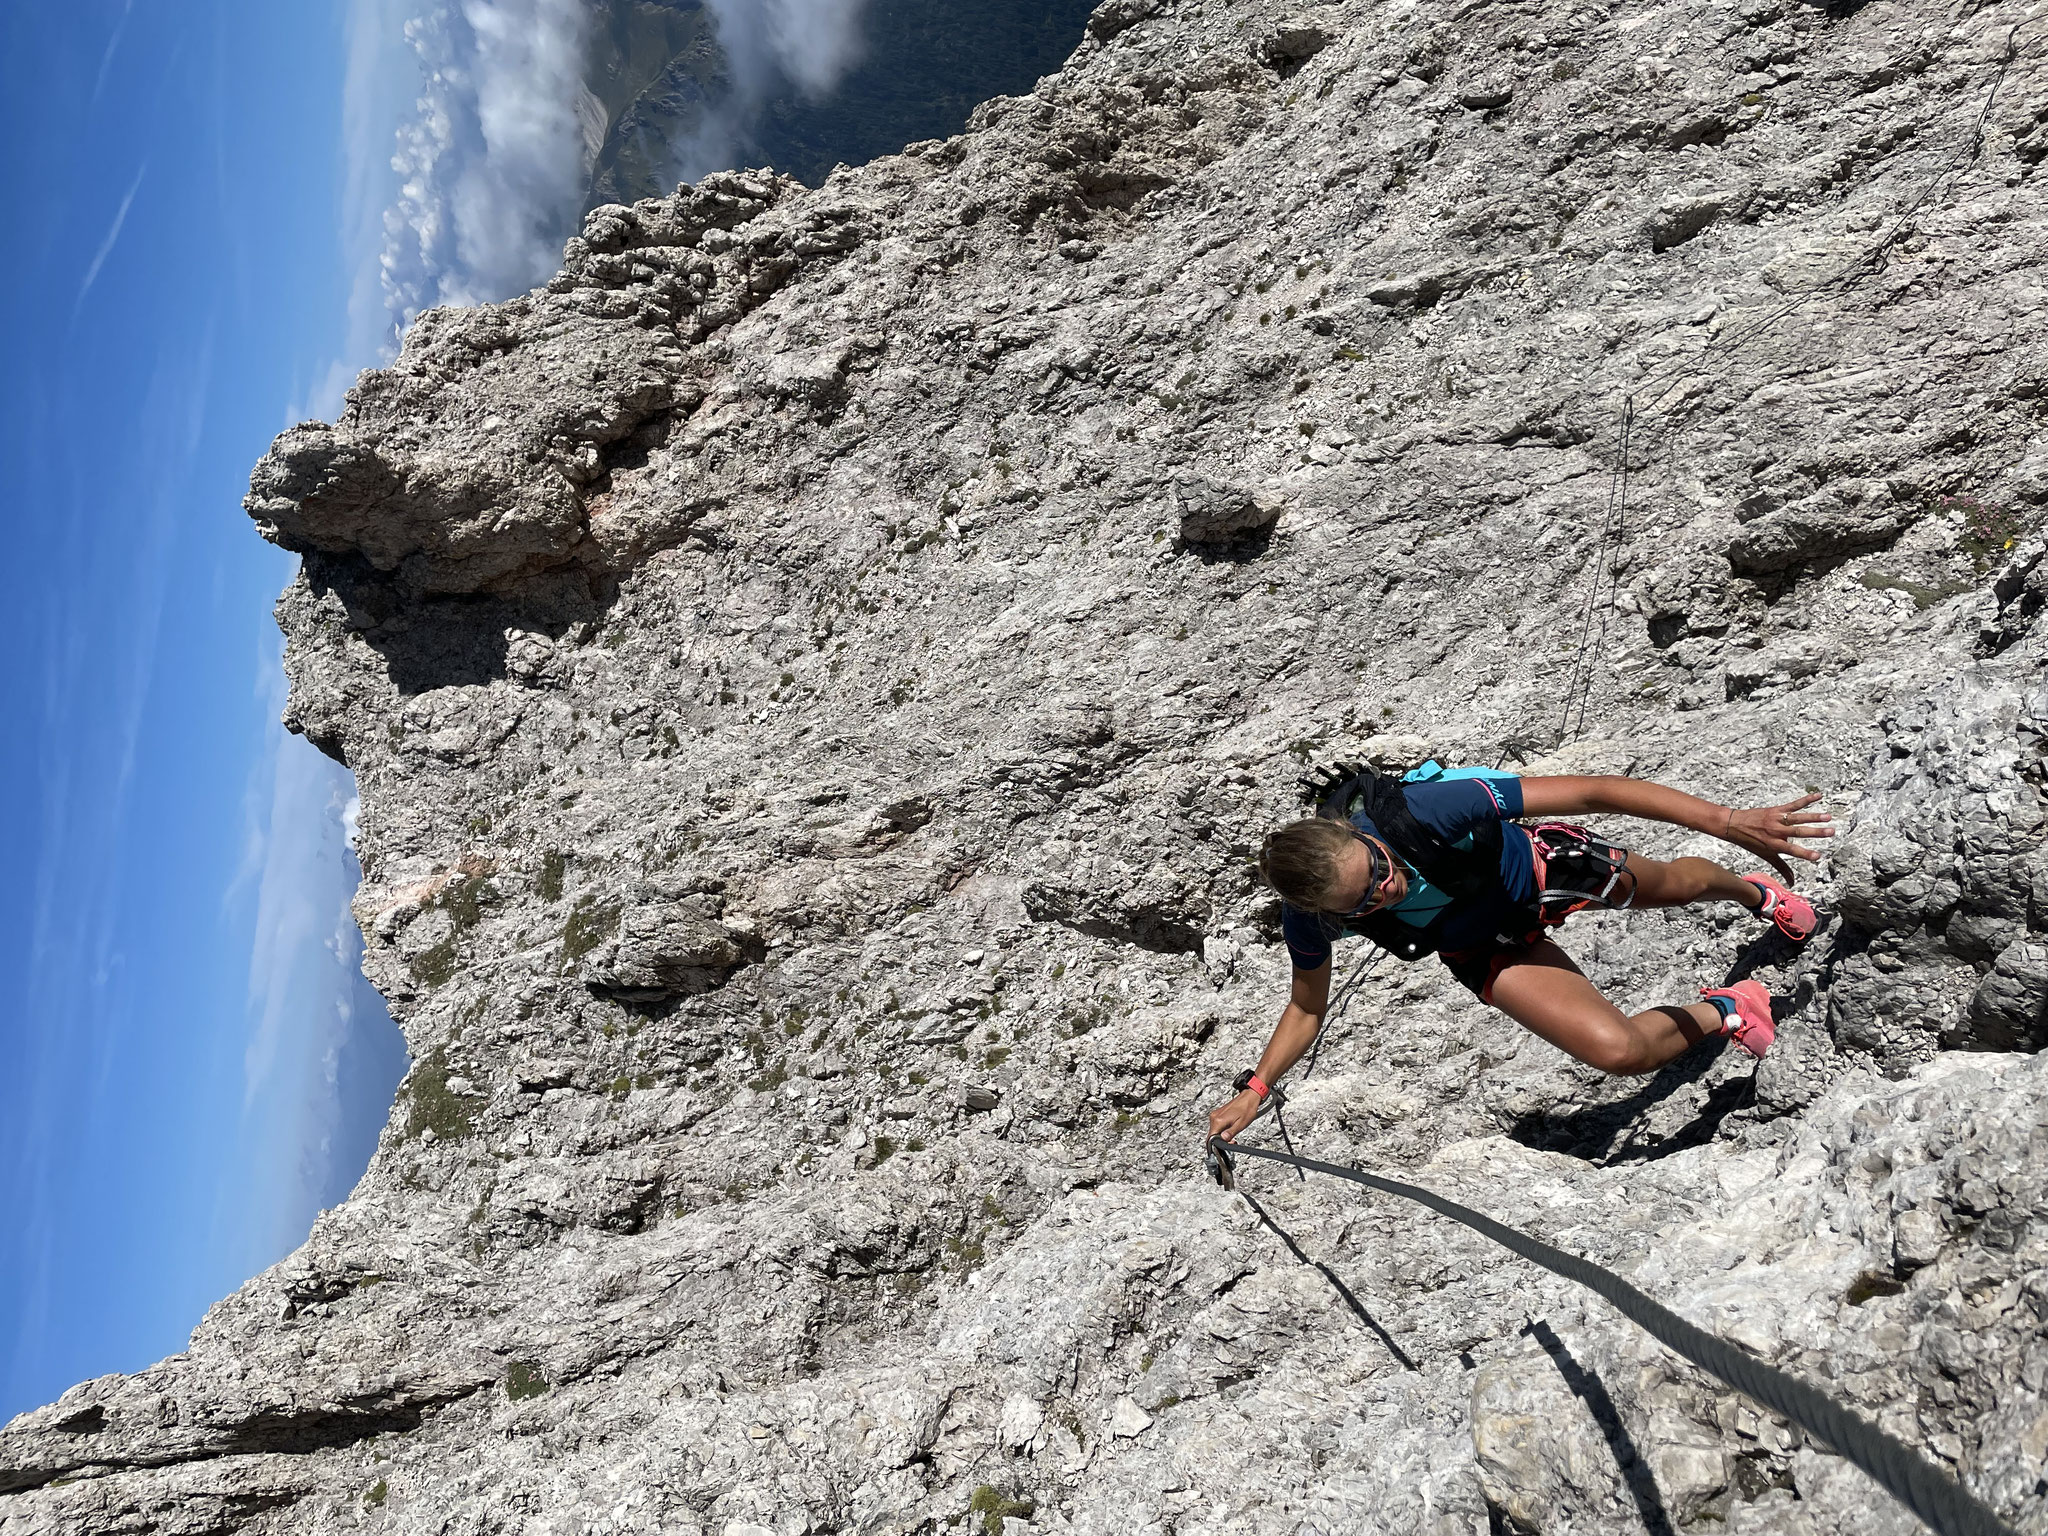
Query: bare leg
[[1550, 997], [1681, 882]]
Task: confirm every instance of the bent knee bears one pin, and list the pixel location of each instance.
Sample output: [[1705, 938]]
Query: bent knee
[[1615, 1051]]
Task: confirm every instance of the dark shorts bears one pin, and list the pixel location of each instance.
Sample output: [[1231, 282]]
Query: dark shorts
[[1577, 862], [1478, 969]]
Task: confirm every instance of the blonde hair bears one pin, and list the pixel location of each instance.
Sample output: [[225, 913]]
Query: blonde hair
[[1300, 861]]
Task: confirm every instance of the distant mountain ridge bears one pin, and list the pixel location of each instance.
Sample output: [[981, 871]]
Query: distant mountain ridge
[[660, 76], [654, 66]]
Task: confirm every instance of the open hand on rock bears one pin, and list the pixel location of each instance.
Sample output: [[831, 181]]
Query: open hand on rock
[[1770, 831]]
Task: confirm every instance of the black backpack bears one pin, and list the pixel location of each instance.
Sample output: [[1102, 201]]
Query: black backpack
[[1344, 790]]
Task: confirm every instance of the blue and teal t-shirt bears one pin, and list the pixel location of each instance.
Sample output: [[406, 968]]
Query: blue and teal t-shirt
[[1453, 809]]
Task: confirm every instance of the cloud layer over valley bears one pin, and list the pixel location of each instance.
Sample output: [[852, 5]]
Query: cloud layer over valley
[[771, 46], [493, 162]]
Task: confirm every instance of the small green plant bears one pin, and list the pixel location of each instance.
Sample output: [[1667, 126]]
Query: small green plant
[[524, 1380], [884, 1150], [1924, 597], [1989, 528], [379, 1491], [553, 865], [1866, 1286], [589, 925], [463, 900], [429, 1106], [432, 967], [995, 1505], [968, 1251]]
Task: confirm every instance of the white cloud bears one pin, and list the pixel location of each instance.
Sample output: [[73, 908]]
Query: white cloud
[[321, 1056], [493, 161], [808, 45], [302, 891], [92, 273], [470, 139], [99, 83]]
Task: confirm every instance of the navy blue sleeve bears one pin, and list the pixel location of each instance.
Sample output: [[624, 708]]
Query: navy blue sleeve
[[1308, 944], [1453, 807]]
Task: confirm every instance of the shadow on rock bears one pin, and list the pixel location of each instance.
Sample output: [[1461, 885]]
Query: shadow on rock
[[1619, 1131], [1768, 948], [1242, 549], [1588, 1389], [1344, 1293], [455, 641]]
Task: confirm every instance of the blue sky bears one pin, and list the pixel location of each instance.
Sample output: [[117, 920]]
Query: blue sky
[[190, 1065], [224, 209]]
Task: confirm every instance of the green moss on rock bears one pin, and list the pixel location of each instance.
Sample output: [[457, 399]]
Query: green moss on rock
[[589, 925], [429, 1106], [553, 866], [995, 1505], [526, 1379], [433, 967]]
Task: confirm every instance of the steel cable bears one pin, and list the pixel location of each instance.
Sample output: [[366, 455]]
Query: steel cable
[[1937, 1498]]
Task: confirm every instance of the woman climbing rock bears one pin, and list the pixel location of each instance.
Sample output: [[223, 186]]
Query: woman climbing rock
[[1438, 865]]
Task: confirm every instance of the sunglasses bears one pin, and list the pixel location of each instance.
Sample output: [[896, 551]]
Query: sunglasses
[[1379, 878]]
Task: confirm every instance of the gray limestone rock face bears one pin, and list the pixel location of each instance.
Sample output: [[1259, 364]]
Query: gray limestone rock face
[[817, 673], [666, 948]]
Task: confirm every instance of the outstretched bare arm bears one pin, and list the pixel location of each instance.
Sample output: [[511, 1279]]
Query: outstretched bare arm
[[1295, 1033], [1765, 830]]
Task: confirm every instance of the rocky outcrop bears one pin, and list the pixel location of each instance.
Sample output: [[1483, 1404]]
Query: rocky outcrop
[[816, 673]]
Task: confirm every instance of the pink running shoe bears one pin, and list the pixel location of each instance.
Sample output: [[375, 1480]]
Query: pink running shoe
[[1751, 1024], [1792, 912]]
